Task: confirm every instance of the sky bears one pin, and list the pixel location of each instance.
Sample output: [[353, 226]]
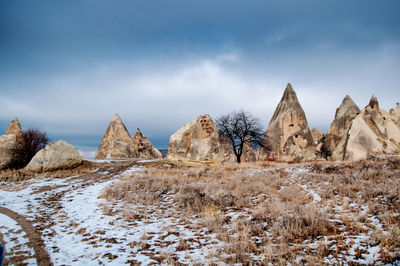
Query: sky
[[67, 66]]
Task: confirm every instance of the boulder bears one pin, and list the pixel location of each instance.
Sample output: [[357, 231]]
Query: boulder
[[197, 140], [372, 133], [335, 139], [116, 142], [56, 155], [248, 154], [8, 142], [288, 135], [144, 149]]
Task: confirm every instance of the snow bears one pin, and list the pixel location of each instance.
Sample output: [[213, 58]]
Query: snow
[[16, 240]]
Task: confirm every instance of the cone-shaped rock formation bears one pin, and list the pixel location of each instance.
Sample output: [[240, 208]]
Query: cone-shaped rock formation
[[372, 133], [116, 142], [288, 134], [336, 137], [197, 140], [144, 149]]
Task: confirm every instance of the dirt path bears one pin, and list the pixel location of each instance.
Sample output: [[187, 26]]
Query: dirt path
[[42, 257]]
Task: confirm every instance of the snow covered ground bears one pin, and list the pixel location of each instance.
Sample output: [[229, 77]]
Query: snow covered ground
[[79, 227]]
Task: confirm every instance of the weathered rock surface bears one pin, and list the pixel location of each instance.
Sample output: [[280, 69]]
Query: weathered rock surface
[[10, 141], [395, 114], [288, 134], [248, 154], [372, 133], [144, 149], [197, 140], [336, 137], [56, 155], [116, 142], [14, 128], [229, 155], [316, 135]]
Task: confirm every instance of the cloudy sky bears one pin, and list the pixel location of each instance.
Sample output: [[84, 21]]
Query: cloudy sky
[[67, 66]]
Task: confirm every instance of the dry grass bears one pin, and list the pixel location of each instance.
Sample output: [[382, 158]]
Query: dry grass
[[267, 213]]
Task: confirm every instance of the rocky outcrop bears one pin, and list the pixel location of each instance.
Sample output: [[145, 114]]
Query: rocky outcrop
[[229, 155], [56, 155], [395, 114], [248, 154], [316, 135], [117, 144], [335, 139], [9, 142], [197, 140], [288, 135], [144, 149], [372, 133]]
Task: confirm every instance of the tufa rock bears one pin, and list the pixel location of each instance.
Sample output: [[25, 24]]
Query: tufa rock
[[372, 133], [116, 142], [316, 135], [335, 139], [9, 142], [14, 128], [395, 114], [288, 134], [197, 140], [56, 155], [144, 149], [248, 154]]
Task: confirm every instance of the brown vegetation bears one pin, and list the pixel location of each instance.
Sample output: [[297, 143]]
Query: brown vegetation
[[309, 213]]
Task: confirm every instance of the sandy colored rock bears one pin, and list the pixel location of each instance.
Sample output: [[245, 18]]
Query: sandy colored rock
[[316, 135], [144, 149], [56, 155], [10, 141], [336, 137], [288, 135], [14, 127], [229, 155], [116, 142], [197, 140], [395, 114], [372, 133]]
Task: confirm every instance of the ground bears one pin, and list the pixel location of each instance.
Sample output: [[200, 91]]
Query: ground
[[171, 212]]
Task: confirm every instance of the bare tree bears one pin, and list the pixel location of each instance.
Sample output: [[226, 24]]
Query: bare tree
[[33, 141], [240, 127]]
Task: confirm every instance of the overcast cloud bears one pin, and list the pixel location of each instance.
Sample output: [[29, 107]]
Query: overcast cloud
[[67, 66]]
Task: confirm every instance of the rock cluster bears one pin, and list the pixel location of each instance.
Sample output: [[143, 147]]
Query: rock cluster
[[118, 144], [248, 154], [56, 155], [372, 132], [197, 140], [335, 139], [9, 142], [288, 134]]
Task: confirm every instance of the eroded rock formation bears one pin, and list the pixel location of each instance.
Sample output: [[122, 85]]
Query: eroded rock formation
[[116, 142], [56, 155], [316, 135], [336, 137], [288, 134], [10, 141], [143, 147], [372, 133], [197, 140], [395, 114]]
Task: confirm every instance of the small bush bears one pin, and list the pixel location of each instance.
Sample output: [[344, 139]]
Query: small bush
[[33, 141]]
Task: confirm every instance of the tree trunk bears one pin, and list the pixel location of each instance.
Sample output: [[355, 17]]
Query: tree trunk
[[238, 158]]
